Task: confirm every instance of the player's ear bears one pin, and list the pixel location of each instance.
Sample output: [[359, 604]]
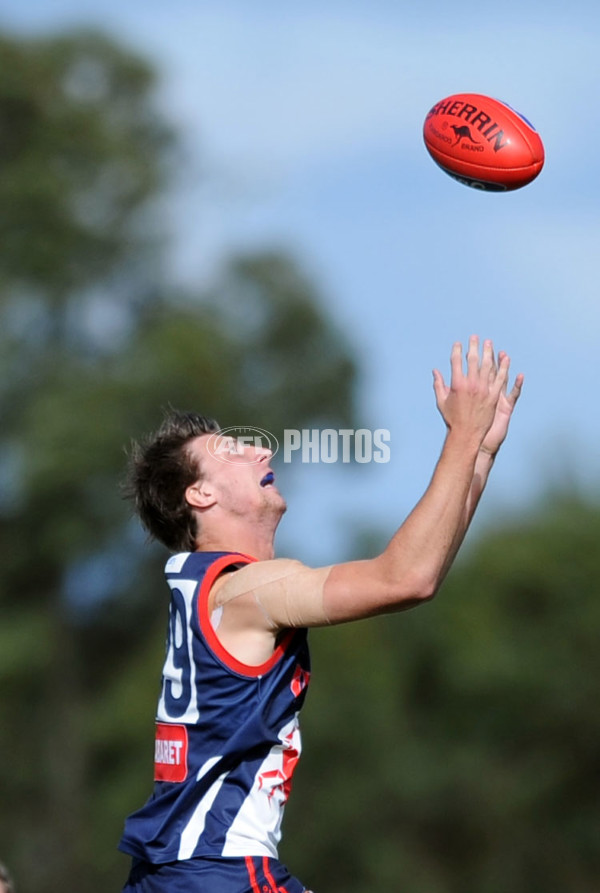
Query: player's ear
[[200, 495]]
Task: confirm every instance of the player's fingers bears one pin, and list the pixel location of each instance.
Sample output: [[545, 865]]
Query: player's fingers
[[439, 387], [495, 362], [502, 355], [499, 383], [516, 389], [473, 356], [487, 361], [456, 362]]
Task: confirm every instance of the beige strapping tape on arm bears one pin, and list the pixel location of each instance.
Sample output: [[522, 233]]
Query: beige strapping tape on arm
[[289, 593]]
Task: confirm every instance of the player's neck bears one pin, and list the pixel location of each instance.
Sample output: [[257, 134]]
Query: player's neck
[[237, 536]]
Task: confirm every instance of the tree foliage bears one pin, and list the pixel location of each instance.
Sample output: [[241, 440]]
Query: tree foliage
[[94, 340]]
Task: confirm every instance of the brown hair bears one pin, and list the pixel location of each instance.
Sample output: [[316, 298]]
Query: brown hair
[[160, 469]]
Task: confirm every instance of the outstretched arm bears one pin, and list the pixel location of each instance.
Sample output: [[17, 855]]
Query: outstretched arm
[[278, 594], [418, 557]]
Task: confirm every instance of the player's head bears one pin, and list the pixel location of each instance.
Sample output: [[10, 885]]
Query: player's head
[[6, 884], [161, 468], [236, 492]]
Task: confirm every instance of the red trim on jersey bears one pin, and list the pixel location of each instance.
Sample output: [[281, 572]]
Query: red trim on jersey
[[208, 631], [252, 874], [270, 878]]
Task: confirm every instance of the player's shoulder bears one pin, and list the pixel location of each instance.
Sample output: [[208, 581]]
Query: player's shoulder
[[257, 573], [287, 592]]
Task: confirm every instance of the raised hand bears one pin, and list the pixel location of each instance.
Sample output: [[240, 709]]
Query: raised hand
[[469, 405], [506, 403]]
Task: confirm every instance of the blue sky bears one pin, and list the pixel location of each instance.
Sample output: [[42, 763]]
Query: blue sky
[[302, 128]]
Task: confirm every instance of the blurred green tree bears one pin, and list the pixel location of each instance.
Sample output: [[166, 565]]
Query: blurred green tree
[[93, 341]]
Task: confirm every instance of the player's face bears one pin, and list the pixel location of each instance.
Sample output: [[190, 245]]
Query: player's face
[[239, 474]]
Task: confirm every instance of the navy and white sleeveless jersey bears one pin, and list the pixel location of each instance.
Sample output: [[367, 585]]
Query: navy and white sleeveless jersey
[[227, 734]]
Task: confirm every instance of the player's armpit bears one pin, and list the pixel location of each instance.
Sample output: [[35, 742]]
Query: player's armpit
[[287, 593]]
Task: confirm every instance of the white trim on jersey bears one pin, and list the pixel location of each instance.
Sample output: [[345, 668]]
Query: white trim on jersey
[[263, 807], [176, 562], [195, 827]]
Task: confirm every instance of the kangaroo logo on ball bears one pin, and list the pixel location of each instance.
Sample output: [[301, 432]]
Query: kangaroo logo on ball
[[462, 132]]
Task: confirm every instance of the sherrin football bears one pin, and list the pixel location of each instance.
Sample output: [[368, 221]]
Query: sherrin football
[[483, 142]]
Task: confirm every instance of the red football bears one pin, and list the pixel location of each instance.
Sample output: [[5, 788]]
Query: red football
[[483, 142]]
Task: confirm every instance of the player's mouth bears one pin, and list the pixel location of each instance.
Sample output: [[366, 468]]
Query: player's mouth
[[268, 479]]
